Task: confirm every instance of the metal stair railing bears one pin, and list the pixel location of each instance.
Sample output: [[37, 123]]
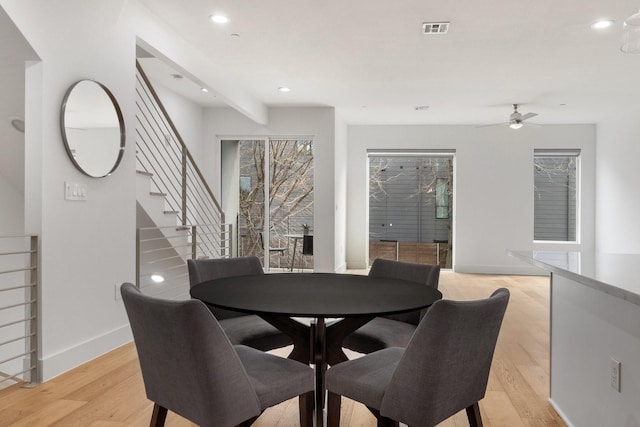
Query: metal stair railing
[[18, 310], [162, 154]]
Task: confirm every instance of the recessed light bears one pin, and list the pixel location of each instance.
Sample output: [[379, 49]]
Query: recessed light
[[176, 76], [157, 278], [602, 24], [234, 35], [204, 89], [284, 89], [219, 19]]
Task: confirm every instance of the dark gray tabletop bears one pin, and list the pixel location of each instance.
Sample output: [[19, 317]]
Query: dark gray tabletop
[[315, 295]]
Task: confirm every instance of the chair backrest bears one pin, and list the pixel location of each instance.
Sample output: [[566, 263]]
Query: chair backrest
[[429, 274], [201, 270], [188, 364], [445, 367]]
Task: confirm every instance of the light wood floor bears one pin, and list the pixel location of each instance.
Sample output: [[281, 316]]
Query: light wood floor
[[108, 392]]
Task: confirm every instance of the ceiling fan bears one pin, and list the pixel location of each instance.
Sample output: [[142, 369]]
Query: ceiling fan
[[516, 119]]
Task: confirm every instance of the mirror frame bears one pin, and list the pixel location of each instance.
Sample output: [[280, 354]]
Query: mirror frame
[[65, 139]]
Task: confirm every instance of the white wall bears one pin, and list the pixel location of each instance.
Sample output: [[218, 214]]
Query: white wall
[[493, 186], [340, 188], [618, 203], [318, 122], [14, 52], [12, 212], [230, 175], [11, 224], [186, 116], [86, 247], [12, 78]]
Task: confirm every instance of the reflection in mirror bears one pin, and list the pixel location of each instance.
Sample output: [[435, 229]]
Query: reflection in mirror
[[92, 128]]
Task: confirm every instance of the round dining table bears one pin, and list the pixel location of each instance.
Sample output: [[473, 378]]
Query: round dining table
[[351, 300]]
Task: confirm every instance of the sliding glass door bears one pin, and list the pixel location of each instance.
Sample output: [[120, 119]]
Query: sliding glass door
[[273, 234], [410, 207]]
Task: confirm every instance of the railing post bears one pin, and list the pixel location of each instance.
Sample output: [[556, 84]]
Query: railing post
[[184, 186], [223, 240], [34, 375], [194, 243], [138, 258]]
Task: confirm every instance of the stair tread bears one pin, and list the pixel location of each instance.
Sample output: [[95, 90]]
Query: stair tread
[[155, 193], [139, 172]]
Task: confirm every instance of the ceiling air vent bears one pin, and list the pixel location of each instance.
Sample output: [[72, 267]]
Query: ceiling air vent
[[435, 27]]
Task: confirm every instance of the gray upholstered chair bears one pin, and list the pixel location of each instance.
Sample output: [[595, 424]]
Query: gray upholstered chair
[[444, 369], [190, 367], [393, 330], [241, 328]]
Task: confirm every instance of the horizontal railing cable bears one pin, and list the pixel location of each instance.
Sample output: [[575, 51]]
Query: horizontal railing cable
[[199, 230], [19, 309], [17, 339]]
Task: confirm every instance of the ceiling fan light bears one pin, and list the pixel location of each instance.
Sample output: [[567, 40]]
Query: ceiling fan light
[[515, 124], [631, 34]]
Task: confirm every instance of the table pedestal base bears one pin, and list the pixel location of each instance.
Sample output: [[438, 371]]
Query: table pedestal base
[[319, 344]]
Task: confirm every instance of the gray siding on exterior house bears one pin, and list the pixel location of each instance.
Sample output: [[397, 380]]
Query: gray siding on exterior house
[[555, 198], [402, 199]]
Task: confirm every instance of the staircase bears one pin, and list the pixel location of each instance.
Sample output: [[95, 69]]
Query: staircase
[[177, 215]]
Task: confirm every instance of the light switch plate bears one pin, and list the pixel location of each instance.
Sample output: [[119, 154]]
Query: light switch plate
[[74, 191], [615, 374]]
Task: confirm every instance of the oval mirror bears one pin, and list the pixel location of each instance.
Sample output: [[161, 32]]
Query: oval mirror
[[92, 128]]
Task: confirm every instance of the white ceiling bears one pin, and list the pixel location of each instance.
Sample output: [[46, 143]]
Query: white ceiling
[[369, 60]]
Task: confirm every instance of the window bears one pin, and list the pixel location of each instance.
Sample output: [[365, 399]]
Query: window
[[287, 194], [410, 200], [442, 198], [555, 195]]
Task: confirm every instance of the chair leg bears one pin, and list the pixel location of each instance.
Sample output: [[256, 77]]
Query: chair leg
[[305, 404], [383, 421], [248, 422], [473, 413], [387, 422], [333, 409], [158, 416]]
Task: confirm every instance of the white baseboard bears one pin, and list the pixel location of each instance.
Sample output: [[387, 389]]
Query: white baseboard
[[53, 365], [524, 270], [560, 413], [357, 265], [341, 268]]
